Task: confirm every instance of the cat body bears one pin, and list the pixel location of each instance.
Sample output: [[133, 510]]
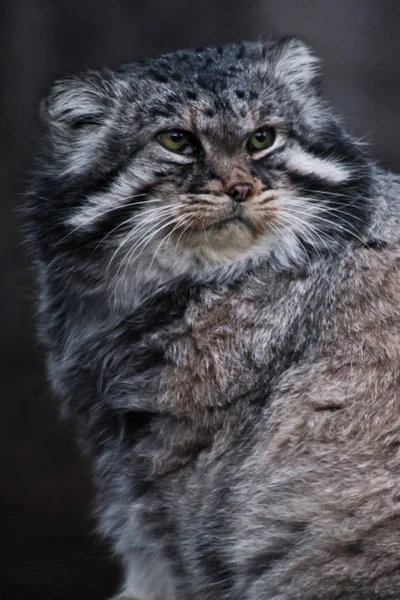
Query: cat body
[[220, 313]]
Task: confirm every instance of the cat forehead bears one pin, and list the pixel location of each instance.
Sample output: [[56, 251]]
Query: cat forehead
[[219, 83], [202, 101], [227, 79], [218, 62], [210, 69], [211, 111]]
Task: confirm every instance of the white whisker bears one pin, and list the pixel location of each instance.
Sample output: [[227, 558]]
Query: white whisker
[[163, 212], [90, 220], [339, 226], [192, 218], [145, 240], [181, 218], [279, 232], [306, 228], [300, 228], [143, 246], [151, 212]]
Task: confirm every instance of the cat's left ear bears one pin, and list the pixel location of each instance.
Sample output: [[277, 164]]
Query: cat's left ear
[[295, 63]]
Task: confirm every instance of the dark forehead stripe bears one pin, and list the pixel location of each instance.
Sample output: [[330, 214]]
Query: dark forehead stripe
[[209, 112], [241, 52], [240, 94], [158, 76], [176, 77]]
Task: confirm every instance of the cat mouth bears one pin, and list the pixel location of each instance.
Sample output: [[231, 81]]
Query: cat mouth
[[233, 219]]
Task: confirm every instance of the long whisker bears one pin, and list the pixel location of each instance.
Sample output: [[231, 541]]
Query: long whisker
[[344, 196], [304, 227], [163, 212], [320, 210], [316, 212], [338, 226], [70, 233], [346, 200], [145, 237], [192, 218], [109, 210], [205, 232], [151, 212], [309, 226], [280, 233], [334, 210], [149, 221], [166, 238], [143, 246], [145, 242]]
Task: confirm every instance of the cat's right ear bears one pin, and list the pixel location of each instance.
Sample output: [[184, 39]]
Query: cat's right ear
[[78, 113], [75, 101]]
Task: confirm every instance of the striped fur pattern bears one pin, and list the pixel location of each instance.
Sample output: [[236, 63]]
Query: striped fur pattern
[[232, 366]]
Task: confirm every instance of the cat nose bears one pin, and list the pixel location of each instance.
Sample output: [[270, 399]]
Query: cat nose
[[240, 191]]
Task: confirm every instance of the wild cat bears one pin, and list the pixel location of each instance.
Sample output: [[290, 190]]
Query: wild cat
[[218, 271]]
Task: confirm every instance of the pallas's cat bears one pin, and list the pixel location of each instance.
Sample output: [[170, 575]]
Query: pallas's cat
[[218, 280]]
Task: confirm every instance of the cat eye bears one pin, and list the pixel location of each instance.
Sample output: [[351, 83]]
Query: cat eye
[[261, 139], [176, 140]]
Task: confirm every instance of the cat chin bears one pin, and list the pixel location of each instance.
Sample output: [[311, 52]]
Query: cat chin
[[201, 255], [225, 241]]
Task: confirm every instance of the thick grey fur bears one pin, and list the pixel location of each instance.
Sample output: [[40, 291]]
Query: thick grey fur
[[237, 388]]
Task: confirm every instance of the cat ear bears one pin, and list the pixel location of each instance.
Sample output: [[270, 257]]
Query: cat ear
[[78, 114], [74, 102], [296, 63]]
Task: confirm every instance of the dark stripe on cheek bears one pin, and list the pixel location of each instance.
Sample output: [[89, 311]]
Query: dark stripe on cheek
[[114, 219], [334, 144], [345, 203], [311, 183], [92, 185], [73, 191]]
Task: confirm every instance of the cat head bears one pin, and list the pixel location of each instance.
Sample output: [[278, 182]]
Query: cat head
[[194, 160]]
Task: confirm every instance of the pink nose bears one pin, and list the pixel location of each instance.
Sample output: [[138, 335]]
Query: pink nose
[[241, 191]]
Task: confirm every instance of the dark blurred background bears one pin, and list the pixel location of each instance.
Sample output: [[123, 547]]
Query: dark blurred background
[[48, 551]]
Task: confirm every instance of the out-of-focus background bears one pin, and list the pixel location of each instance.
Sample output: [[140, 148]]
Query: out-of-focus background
[[48, 550]]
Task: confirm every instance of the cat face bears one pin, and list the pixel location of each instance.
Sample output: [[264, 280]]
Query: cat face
[[196, 160]]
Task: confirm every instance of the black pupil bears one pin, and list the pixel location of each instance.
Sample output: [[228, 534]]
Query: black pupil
[[176, 137], [261, 136]]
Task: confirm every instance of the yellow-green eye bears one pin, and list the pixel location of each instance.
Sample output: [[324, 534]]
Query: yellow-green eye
[[174, 140], [261, 139]]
